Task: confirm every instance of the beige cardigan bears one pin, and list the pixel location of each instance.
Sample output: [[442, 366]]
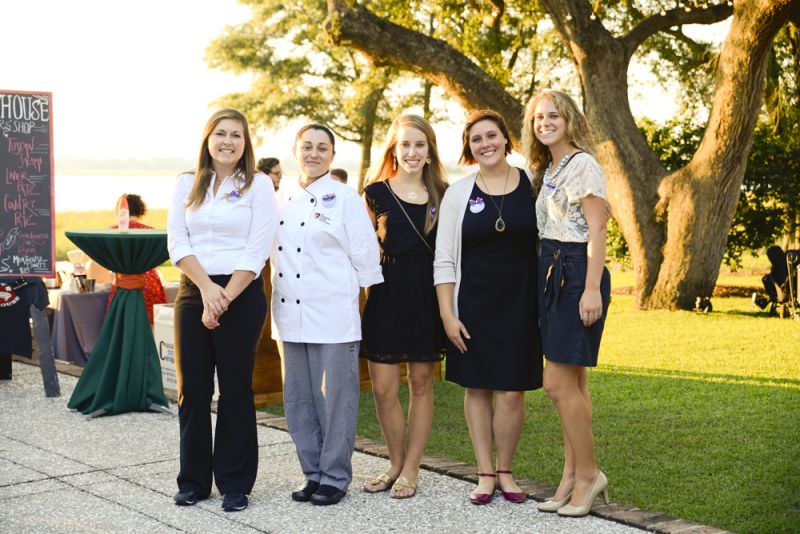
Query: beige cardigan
[[447, 260]]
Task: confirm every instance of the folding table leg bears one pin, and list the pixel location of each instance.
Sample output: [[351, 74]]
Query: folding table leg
[[47, 364]]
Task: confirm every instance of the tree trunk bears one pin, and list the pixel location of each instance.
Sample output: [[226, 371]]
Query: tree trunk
[[675, 224], [369, 113], [426, 99], [366, 161], [633, 172], [701, 198]]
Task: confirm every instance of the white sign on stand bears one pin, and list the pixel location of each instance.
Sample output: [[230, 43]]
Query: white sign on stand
[[164, 334]]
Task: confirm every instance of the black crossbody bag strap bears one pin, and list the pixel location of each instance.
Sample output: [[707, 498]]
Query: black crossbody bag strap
[[407, 216]]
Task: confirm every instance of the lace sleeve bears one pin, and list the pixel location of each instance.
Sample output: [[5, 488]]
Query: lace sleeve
[[585, 178]]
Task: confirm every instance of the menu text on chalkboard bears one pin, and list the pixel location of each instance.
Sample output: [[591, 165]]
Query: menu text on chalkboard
[[27, 245]]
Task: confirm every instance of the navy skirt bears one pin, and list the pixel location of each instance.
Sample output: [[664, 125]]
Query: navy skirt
[[562, 278]]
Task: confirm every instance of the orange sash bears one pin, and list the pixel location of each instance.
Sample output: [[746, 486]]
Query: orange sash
[[130, 281]]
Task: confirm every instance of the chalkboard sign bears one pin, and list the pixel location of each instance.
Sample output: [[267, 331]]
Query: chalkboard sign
[[27, 244]]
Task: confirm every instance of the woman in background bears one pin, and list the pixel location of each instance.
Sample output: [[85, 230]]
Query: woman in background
[[403, 202], [221, 224], [153, 289], [339, 174], [485, 276], [272, 168], [574, 285]]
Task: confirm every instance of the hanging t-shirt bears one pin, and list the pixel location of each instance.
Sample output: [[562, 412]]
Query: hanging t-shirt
[[16, 296]]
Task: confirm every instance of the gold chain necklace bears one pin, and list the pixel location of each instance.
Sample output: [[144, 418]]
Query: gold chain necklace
[[499, 224]]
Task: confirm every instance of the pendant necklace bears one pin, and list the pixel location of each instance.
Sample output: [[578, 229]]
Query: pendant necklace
[[410, 194], [499, 224]]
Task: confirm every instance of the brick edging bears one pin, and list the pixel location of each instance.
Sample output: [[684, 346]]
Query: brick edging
[[619, 513]]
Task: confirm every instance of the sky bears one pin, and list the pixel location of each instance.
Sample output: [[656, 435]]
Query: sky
[[129, 79]]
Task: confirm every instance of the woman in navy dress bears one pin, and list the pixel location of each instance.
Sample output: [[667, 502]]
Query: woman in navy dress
[[574, 285], [401, 318], [485, 275]]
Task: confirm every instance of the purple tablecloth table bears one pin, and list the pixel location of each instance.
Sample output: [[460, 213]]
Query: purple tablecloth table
[[77, 323]]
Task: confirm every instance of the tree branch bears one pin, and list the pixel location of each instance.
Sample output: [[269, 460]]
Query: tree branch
[[499, 10], [673, 17], [696, 48], [740, 82], [349, 24]]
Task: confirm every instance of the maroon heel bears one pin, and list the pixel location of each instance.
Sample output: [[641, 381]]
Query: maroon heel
[[511, 496], [483, 498]]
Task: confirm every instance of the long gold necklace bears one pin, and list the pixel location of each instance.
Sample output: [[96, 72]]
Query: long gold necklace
[[499, 224]]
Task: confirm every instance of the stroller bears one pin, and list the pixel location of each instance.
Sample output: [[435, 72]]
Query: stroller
[[780, 284]]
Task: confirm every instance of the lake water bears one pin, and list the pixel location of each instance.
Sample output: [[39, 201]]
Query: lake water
[[97, 192]]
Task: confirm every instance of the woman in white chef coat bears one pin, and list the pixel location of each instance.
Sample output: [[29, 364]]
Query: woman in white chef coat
[[325, 250]]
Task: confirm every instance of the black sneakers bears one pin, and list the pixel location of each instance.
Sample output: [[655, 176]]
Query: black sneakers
[[187, 498], [231, 502], [234, 502]]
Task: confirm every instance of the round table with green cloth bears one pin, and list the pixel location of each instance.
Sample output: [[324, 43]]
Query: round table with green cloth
[[123, 373]]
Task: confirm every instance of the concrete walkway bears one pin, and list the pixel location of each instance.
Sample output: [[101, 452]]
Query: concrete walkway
[[63, 472]]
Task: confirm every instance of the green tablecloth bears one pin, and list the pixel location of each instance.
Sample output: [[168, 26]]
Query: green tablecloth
[[123, 373]]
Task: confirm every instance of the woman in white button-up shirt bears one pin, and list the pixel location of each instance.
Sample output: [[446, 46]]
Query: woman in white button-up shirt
[[221, 226], [325, 250]]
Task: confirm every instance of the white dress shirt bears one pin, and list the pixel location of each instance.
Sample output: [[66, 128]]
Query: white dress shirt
[[230, 231], [325, 249]]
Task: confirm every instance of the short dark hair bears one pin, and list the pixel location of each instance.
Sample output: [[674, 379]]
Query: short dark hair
[[467, 157], [316, 126], [136, 206], [265, 165], [340, 173]]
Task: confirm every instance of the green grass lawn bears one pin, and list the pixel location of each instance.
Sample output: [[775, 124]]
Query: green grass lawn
[[696, 416]]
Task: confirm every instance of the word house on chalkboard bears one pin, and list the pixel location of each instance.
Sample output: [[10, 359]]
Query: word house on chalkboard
[[27, 243]]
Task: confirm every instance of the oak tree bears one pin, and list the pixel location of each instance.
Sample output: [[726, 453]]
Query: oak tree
[[675, 221]]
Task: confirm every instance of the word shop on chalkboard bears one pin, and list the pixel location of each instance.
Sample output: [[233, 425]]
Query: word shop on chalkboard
[[26, 184]]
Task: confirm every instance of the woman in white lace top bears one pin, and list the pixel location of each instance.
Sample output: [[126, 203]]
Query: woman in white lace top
[[574, 285]]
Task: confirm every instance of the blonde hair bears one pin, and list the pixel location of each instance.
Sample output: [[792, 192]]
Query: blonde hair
[[577, 132], [204, 169], [432, 173]]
